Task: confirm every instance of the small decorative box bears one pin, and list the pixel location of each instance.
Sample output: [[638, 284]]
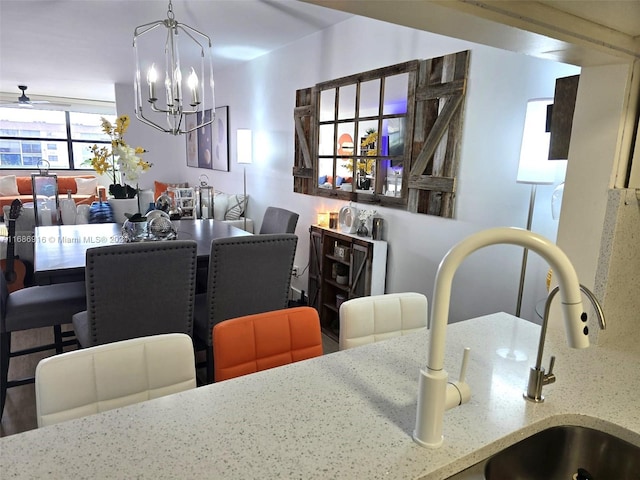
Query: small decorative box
[[341, 252]]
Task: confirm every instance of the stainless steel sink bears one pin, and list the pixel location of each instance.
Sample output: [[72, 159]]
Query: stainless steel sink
[[562, 453]]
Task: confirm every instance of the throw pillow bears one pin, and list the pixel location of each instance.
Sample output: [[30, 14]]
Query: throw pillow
[[220, 202], [8, 186], [161, 187], [86, 186], [235, 207]]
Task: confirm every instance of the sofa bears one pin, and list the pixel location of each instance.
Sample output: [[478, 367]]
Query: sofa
[[84, 188], [227, 207]]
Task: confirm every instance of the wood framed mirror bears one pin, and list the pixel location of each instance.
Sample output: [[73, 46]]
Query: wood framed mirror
[[388, 136]]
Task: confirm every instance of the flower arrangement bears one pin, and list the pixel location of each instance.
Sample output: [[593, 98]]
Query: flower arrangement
[[368, 144], [368, 147], [120, 160], [365, 215]]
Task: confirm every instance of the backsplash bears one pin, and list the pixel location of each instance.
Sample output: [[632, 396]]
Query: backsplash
[[617, 281]]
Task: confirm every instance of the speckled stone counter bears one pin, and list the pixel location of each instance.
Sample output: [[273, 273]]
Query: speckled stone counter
[[348, 415]]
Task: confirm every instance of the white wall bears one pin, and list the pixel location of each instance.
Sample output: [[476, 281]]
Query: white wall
[[261, 96]]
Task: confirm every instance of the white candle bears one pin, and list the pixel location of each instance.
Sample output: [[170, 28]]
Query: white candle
[[177, 83], [205, 212], [152, 78], [193, 86]]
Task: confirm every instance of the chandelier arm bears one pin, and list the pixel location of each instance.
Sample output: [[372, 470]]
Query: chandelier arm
[[186, 27], [147, 28], [146, 121], [194, 39]]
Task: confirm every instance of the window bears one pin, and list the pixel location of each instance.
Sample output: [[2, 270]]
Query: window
[[388, 136], [63, 138]]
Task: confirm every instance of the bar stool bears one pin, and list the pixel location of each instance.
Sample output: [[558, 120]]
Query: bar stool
[[35, 307]]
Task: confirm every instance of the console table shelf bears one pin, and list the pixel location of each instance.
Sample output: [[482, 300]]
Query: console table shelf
[[361, 261]]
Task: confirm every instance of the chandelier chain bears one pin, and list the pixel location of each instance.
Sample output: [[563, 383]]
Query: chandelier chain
[[170, 13]]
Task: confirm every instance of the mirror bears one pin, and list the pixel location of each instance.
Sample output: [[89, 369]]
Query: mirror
[[352, 156], [388, 136]]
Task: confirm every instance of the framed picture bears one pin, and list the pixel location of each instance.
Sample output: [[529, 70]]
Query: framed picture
[[192, 142], [221, 139], [208, 147]]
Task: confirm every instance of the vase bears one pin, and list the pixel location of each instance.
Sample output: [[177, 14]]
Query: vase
[[120, 206], [362, 231], [68, 211], [100, 212], [376, 228], [82, 214]]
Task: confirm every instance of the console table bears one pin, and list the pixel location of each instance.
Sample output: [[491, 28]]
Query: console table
[[342, 266]]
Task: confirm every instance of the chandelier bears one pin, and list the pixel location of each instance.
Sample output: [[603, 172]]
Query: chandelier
[[171, 106]]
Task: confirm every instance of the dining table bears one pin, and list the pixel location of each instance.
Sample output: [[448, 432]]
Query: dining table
[[60, 250]]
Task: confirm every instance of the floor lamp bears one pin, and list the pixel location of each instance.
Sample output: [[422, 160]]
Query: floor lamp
[[244, 156], [534, 168]]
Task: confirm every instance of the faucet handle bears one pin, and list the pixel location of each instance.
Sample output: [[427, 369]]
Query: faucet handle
[[550, 377], [463, 366], [552, 362], [459, 392]]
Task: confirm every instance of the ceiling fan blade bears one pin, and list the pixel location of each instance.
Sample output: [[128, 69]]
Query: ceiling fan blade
[[25, 102], [16, 105], [33, 104]]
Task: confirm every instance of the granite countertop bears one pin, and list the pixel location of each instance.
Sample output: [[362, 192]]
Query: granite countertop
[[347, 415]]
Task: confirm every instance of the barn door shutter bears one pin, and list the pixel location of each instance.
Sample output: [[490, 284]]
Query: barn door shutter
[[437, 134], [305, 118]]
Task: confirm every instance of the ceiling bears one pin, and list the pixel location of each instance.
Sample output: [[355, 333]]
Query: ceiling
[[619, 15], [79, 49], [578, 32]]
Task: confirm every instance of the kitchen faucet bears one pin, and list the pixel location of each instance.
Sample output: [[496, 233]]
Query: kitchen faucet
[[537, 376], [435, 395]]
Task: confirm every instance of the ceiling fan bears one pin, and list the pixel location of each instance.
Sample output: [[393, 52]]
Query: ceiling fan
[[25, 102]]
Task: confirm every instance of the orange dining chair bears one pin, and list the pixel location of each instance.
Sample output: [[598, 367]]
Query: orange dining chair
[[261, 341]]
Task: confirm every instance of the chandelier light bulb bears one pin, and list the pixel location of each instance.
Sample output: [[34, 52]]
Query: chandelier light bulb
[[177, 83], [192, 81], [152, 78], [167, 86]]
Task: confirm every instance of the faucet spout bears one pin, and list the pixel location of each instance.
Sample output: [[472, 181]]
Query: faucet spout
[[537, 376], [433, 380]]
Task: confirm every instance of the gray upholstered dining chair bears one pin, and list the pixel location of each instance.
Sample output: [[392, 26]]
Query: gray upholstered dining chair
[[278, 220], [247, 275], [35, 307], [137, 289]]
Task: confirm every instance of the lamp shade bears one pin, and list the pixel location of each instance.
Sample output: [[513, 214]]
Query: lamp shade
[[243, 139], [534, 166]]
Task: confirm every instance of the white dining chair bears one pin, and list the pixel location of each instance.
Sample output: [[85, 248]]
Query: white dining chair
[[96, 379], [374, 318]]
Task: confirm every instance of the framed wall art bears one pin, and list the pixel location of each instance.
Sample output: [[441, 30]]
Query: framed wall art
[[208, 147], [192, 142]]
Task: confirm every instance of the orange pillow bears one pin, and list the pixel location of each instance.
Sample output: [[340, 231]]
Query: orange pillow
[[25, 187], [160, 188], [65, 184]]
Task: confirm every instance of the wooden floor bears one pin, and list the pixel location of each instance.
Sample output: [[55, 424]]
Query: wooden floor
[[20, 407]]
